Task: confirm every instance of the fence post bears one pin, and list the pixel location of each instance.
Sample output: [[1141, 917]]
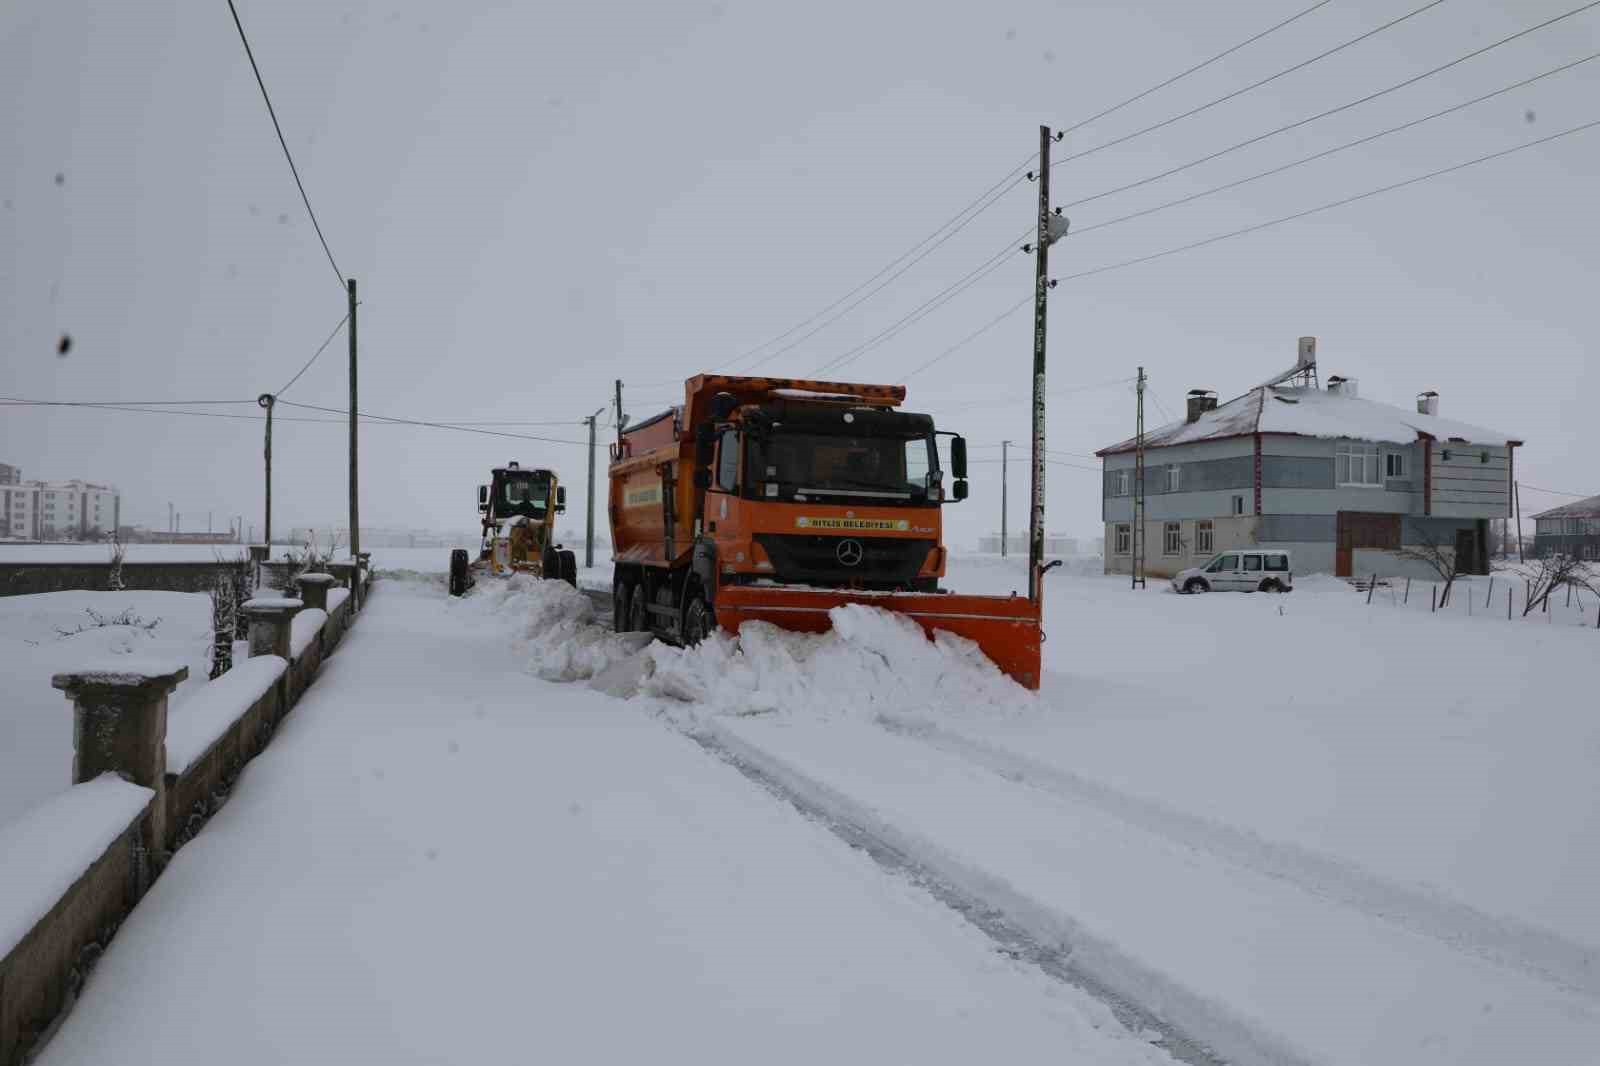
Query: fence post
[[1488, 597], [1508, 601], [314, 590], [1408, 593], [119, 725], [1435, 606], [1372, 583], [270, 621]]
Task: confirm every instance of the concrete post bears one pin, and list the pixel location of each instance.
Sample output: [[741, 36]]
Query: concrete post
[[270, 622], [343, 570], [314, 590], [119, 724]]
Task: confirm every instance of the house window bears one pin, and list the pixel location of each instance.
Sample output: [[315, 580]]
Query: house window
[[1171, 538], [1238, 505], [1588, 552], [1356, 464], [1204, 537], [1574, 525], [1394, 464], [1119, 482], [1124, 539], [1174, 474]]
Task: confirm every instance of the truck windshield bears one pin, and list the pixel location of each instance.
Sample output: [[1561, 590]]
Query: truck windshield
[[787, 464]]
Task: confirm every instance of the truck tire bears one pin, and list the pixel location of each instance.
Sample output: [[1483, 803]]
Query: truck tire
[[569, 568], [460, 578], [550, 564], [698, 621]]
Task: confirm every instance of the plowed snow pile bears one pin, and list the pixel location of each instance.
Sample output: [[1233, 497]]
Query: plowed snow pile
[[873, 662]]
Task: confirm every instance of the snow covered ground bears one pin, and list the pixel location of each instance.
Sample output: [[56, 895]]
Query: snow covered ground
[[442, 858], [1268, 829]]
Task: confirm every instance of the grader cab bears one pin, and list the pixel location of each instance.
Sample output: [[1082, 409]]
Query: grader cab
[[517, 511]]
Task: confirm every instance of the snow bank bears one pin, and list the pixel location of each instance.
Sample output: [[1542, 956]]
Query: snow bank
[[194, 725], [50, 846]]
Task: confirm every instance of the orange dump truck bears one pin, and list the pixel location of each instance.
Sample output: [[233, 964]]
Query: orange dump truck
[[778, 500]]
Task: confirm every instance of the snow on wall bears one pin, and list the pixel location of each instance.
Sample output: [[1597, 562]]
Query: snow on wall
[[304, 629], [195, 724], [62, 837]]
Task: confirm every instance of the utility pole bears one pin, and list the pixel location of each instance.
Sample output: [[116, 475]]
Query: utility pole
[[620, 419], [1516, 492], [355, 517], [209, 530], [172, 526], [1138, 543], [266, 400], [588, 539], [1004, 445], [1051, 228]]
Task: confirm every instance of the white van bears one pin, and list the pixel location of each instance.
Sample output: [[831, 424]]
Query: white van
[[1246, 570]]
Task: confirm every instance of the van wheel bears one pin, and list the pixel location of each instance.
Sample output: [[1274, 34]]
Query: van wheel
[[698, 621], [621, 593], [1269, 585], [1195, 584], [638, 617]]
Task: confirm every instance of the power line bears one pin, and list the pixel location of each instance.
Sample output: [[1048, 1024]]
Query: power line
[[1196, 68], [1329, 206], [974, 335], [323, 347], [437, 425], [1333, 151], [273, 114], [1353, 103], [1248, 88], [1558, 492], [988, 198]]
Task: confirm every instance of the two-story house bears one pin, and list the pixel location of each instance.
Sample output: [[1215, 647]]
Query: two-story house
[[1342, 482], [1572, 529]]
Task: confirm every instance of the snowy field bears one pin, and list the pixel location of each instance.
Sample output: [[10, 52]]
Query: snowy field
[[1269, 829], [423, 560]]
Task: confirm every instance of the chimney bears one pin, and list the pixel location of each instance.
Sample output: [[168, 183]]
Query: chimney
[[1201, 401], [1428, 403], [1342, 386]]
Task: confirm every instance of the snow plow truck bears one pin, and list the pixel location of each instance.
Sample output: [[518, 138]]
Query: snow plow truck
[[778, 500], [518, 511]]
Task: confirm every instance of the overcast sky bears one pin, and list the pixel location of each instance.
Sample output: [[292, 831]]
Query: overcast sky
[[539, 198]]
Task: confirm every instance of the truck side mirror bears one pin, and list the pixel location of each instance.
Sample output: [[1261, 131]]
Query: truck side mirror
[[705, 446], [960, 488], [561, 499], [958, 459], [483, 497]]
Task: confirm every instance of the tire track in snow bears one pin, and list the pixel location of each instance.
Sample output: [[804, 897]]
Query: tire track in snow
[[1189, 1027], [1507, 942]]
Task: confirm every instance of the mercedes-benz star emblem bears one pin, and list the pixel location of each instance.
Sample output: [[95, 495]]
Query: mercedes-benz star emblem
[[849, 552]]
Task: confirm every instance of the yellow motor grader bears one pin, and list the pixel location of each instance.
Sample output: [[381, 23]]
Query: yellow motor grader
[[518, 511]]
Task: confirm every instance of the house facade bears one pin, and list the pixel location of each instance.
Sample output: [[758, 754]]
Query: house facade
[[68, 510], [1572, 529], [1341, 482]]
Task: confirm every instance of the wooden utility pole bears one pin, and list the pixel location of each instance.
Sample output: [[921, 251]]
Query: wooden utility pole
[[355, 514], [620, 419], [588, 538], [267, 400], [1516, 493], [1004, 446], [1047, 235]]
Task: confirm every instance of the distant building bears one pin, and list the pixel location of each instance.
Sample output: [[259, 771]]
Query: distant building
[[1017, 544], [1572, 529], [1340, 481], [10, 475], [66, 510]]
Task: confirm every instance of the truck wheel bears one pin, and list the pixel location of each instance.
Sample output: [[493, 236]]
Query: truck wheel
[[621, 594], [638, 616], [569, 568], [698, 621], [460, 580], [550, 564]]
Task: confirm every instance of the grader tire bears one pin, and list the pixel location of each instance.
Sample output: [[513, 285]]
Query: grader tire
[[460, 577], [569, 568]]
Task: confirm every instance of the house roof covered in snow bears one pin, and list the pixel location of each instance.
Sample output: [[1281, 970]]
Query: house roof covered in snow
[[1309, 412], [1589, 508]]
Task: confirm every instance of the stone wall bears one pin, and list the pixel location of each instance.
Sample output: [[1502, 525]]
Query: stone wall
[[41, 975], [29, 579]]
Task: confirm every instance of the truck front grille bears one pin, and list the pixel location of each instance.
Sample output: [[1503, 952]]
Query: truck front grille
[[885, 562]]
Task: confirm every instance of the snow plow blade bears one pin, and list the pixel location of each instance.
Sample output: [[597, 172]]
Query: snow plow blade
[[1006, 628]]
